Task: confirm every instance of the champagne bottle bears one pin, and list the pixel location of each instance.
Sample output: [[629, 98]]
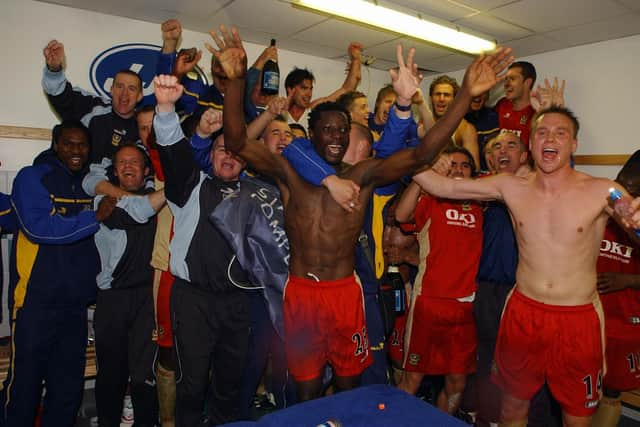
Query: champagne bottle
[[393, 281], [270, 76]]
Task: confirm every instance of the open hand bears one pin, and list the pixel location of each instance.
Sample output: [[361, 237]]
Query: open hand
[[230, 53], [548, 96], [484, 72], [406, 78]]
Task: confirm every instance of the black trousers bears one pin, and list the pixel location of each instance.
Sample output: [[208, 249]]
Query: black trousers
[[211, 333], [47, 344], [124, 323]]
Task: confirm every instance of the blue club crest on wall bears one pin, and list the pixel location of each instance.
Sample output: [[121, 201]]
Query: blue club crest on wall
[[141, 58]]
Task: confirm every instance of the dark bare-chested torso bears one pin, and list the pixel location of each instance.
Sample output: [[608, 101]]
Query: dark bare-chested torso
[[321, 234]]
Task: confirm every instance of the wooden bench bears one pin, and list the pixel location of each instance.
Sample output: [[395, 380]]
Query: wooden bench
[[632, 398]]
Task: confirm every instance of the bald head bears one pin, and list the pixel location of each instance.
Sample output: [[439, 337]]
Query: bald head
[[360, 144]]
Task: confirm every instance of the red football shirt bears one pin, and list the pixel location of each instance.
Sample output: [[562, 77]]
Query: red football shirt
[[619, 254], [455, 241], [518, 122]]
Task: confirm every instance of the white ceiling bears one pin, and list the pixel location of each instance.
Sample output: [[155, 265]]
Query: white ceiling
[[529, 26]]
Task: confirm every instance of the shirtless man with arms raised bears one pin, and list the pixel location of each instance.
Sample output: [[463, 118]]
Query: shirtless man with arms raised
[[551, 327], [324, 319]]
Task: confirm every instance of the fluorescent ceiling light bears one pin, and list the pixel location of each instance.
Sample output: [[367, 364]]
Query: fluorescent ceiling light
[[401, 23]]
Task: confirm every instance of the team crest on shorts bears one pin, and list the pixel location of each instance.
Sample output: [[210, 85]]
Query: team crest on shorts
[[591, 404], [414, 359]]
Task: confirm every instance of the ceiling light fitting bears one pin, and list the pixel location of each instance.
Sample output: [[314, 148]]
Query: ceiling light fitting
[[413, 26]]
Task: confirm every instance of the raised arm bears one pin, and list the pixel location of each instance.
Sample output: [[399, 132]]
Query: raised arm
[[354, 74], [54, 56], [182, 174], [173, 62], [469, 138], [171, 33], [186, 61], [481, 75], [254, 74], [201, 140], [277, 105], [233, 59], [425, 114], [407, 203], [396, 132], [69, 103], [405, 82]]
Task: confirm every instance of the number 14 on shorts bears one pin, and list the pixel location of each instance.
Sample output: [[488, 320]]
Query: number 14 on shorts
[[634, 361], [588, 382]]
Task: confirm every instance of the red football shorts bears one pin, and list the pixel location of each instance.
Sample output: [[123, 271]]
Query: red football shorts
[[561, 345], [395, 343], [622, 312], [163, 312], [324, 322], [441, 337]]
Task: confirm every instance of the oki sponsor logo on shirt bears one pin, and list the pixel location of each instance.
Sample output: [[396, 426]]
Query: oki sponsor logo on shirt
[[141, 58], [616, 251], [462, 219]]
